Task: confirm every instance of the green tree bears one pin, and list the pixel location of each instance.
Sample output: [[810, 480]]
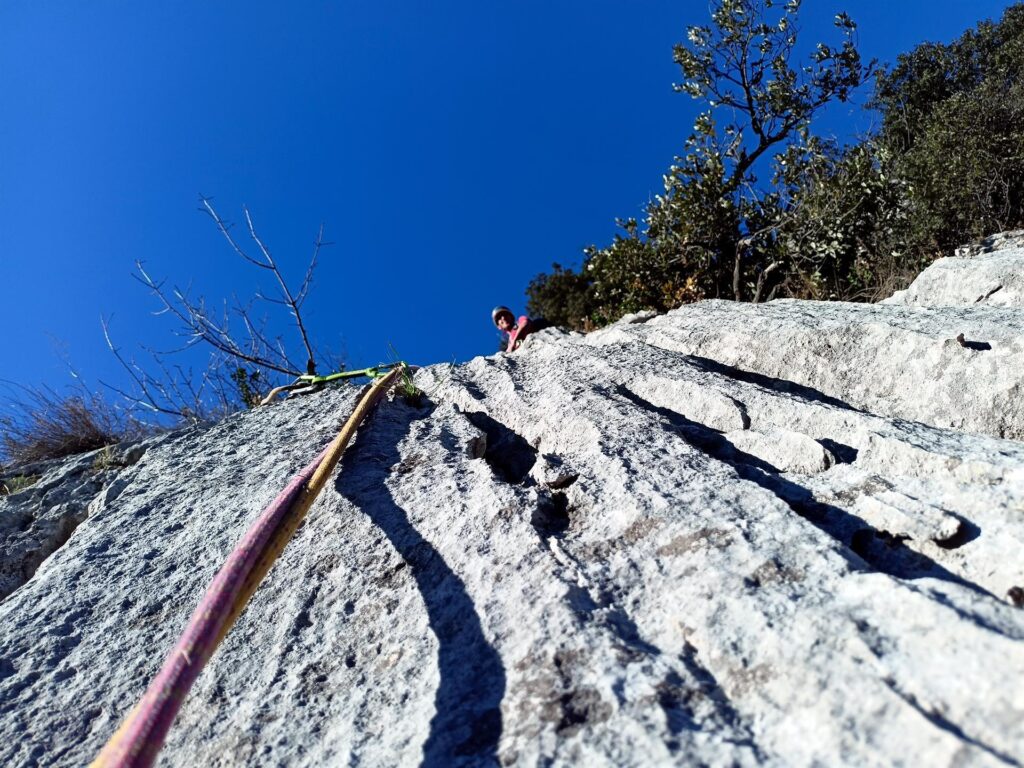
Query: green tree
[[562, 297], [839, 223], [714, 232], [952, 126]]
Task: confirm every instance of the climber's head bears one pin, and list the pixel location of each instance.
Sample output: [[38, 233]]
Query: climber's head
[[503, 318]]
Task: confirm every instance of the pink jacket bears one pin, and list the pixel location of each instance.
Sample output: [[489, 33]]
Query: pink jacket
[[517, 334]]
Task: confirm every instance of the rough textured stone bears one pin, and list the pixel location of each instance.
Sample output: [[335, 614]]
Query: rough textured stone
[[45, 514], [1000, 241], [731, 535], [898, 361], [783, 450], [994, 279]]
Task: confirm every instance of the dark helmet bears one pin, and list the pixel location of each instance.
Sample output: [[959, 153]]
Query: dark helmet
[[499, 310]]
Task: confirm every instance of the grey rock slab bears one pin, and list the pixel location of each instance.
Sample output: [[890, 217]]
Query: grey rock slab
[[998, 242], [716, 410], [784, 450], [637, 317], [615, 555], [37, 521], [684, 541], [993, 279], [896, 361]]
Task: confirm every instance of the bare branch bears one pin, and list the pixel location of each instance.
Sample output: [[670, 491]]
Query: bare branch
[[224, 228], [761, 278], [286, 294], [262, 297], [145, 383], [238, 360], [197, 325], [308, 280]]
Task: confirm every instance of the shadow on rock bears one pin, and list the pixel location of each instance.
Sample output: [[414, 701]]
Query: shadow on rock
[[801, 391], [467, 723], [863, 543]]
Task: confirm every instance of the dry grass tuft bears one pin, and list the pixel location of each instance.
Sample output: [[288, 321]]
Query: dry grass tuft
[[41, 424], [16, 484]]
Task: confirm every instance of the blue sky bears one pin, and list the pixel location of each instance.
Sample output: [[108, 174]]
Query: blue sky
[[451, 149]]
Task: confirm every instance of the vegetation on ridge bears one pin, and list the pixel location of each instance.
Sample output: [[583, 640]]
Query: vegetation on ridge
[[760, 207], [42, 424]]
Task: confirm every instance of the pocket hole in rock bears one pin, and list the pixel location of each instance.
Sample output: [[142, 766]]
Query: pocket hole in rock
[[551, 517], [507, 453]]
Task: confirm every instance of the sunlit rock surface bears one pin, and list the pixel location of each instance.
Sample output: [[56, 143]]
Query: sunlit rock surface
[[788, 534], [987, 273]]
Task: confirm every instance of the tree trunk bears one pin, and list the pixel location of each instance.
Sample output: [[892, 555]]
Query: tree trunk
[[737, 273], [761, 281]]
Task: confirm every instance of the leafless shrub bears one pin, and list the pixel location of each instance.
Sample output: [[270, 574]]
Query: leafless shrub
[[162, 391], [42, 424], [245, 362]]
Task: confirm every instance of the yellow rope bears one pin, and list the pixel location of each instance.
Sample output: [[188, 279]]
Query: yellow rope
[[277, 391], [137, 751], [307, 496]]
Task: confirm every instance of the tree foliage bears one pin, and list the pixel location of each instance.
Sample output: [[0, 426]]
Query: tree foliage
[[758, 206], [952, 122], [714, 231], [838, 238], [561, 296]]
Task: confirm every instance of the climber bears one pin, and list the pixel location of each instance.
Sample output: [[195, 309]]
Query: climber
[[515, 330]]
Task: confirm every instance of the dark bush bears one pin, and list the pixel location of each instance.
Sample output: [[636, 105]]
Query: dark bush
[[562, 297], [953, 124]]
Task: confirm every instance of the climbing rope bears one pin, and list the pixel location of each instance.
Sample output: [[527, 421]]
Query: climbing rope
[[141, 735], [313, 382]]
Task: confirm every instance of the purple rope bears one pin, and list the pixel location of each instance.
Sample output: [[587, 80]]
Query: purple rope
[[143, 736]]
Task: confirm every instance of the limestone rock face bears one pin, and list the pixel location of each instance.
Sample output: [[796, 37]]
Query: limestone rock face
[[788, 534], [987, 273], [955, 367], [993, 280], [1001, 241]]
